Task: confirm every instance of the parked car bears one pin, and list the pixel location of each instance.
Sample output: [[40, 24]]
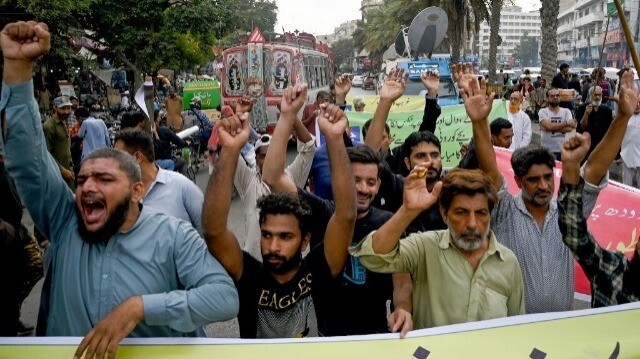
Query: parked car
[[369, 83], [357, 81]]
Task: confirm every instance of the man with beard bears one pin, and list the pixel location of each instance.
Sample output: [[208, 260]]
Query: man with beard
[[419, 147], [56, 134], [118, 269], [555, 122], [527, 223], [279, 297], [164, 191], [366, 292], [520, 121], [461, 274], [561, 81], [594, 118]]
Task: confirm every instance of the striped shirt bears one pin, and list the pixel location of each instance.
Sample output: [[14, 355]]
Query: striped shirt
[[546, 263], [614, 278]]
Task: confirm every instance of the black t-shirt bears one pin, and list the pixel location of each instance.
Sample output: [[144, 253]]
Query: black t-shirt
[[389, 198], [269, 309], [162, 146], [356, 302]]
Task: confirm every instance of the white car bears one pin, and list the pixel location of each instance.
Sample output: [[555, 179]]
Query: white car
[[357, 81]]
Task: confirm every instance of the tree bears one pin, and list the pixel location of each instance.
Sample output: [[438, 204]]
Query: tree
[[527, 50], [494, 38], [382, 24], [343, 49], [549, 53]]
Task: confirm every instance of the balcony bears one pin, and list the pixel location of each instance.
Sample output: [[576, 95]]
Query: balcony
[[593, 17]]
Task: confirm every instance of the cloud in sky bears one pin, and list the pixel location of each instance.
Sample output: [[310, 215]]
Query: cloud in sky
[[320, 17]]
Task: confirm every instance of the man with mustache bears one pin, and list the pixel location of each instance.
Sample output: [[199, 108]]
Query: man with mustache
[[118, 269], [594, 118], [461, 274], [56, 133], [555, 122], [279, 297], [527, 223], [520, 121]]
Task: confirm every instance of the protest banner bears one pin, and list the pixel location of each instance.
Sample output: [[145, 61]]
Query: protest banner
[[614, 221], [592, 333], [453, 127], [208, 91]]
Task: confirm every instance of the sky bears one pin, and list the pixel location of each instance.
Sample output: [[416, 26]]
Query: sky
[[320, 17]]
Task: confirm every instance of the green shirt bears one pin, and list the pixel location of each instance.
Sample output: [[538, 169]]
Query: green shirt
[[445, 288], [58, 141]]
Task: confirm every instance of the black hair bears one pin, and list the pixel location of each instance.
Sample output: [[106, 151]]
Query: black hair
[[564, 65], [81, 112], [499, 124], [131, 119], [126, 162], [470, 159], [322, 94], [275, 204], [415, 138], [524, 158], [365, 155], [365, 128], [134, 139]]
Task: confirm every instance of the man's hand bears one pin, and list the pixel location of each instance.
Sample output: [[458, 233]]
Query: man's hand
[[416, 196], [67, 175], [25, 41], [463, 74], [245, 104], [394, 87], [332, 121], [234, 131], [476, 103], [628, 95], [293, 99], [575, 148], [431, 81], [401, 320], [343, 86], [104, 339], [588, 110]]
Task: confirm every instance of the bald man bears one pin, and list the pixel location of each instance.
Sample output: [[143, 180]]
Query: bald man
[[594, 118]]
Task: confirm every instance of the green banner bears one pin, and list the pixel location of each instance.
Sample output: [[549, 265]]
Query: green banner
[[611, 7], [208, 91], [453, 127]]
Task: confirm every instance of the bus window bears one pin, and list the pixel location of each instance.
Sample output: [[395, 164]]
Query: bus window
[[235, 71], [279, 72]]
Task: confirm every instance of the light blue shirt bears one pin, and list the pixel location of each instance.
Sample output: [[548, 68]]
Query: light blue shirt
[[174, 194], [94, 134], [161, 258]]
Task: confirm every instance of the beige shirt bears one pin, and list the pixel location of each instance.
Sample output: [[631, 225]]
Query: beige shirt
[[445, 288]]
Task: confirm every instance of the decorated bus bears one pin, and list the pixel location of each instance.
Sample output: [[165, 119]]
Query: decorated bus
[[264, 69]]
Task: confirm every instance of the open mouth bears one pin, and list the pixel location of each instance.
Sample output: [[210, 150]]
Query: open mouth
[[93, 210]]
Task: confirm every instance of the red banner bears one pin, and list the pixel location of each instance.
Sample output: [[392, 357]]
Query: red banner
[[614, 221]]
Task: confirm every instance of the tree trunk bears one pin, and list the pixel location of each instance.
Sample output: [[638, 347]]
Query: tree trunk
[[137, 77], [456, 30], [494, 24], [549, 46]]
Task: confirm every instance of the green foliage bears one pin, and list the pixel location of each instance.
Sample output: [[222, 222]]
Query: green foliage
[[343, 49], [527, 50]]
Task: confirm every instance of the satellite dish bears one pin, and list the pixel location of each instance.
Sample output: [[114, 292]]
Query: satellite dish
[[427, 30], [400, 46], [389, 54]]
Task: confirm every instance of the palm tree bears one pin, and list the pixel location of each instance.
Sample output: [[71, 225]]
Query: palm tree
[[494, 38], [549, 46]]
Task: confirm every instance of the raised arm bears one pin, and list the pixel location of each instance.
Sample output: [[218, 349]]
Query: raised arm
[[221, 241], [333, 124], [343, 86], [431, 81], [273, 169], [478, 108], [603, 155], [392, 90], [416, 198]]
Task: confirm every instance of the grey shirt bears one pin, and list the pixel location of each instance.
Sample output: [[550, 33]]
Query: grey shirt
[[546, 262]]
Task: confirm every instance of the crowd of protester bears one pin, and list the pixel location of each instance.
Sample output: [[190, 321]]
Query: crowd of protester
[[383, 240]]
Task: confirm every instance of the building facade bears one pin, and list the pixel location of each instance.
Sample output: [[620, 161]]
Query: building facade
[[582, 30], [514, 23]]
